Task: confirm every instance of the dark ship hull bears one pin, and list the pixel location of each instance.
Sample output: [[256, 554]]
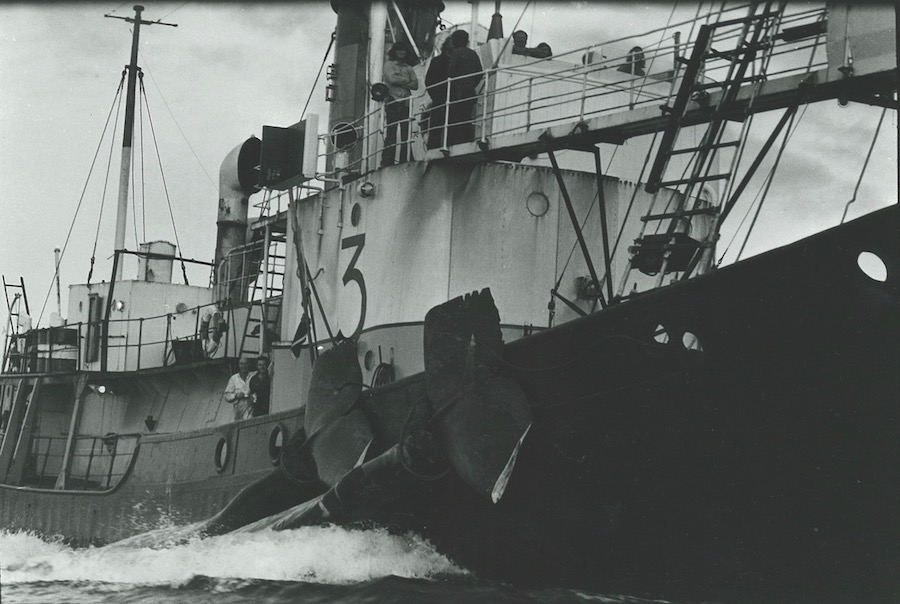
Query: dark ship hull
[[764, 464]]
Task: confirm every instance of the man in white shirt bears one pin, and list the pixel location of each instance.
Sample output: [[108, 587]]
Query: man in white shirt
[[237, 392]]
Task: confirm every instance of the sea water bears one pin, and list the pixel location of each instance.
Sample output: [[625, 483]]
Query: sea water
[[310, 565]]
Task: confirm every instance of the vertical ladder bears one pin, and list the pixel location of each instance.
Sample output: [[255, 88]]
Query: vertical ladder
[[261, 318], [14, 311], [265, 313], [674, 250]]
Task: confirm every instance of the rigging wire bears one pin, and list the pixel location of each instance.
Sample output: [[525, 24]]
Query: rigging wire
[[637, 186], [143, 176], [316, 82], [134, 195], [163, 176], [766, 190], [609, 164], [865, 165], [179, 7], [177, 125], [118, 7], [584, 222], [83, 192], [105, 186], [790, 133]]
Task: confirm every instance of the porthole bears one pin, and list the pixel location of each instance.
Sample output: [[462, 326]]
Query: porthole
[[691, 342], [660, 334], [369, 360], [355, 214], [222, 454], [873, 266], [537, 204], [277, 438]]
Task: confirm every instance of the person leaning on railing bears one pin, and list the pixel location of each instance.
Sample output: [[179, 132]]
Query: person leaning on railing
[[465, 72], [401, 80]]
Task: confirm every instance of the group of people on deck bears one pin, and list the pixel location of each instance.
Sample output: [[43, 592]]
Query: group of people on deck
[[249, 392], [451, 81], [452, 103]]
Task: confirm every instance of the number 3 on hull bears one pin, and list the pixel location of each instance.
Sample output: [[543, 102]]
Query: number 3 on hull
[[354, 274]]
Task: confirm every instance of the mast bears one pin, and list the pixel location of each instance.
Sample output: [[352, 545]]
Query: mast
[[128, 130]]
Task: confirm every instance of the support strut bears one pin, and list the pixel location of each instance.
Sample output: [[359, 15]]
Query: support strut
[[576, 226]]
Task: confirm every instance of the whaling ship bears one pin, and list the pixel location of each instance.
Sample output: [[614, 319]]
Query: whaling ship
[[537, 367]]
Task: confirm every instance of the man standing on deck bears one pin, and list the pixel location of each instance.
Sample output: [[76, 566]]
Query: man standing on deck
[[465, 72], [237, 391], [260, 388], [436, 85], [401, 80]]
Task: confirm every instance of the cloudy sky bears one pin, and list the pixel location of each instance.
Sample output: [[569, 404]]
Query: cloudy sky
[[229, 68]]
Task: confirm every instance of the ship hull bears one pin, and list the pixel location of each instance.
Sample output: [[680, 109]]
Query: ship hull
[[763, 462], [765, 465]]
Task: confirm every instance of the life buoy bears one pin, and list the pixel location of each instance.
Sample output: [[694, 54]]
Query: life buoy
[[218, 326], [212, 326]]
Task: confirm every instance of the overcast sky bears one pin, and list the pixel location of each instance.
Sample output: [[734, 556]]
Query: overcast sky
[[229, 68]]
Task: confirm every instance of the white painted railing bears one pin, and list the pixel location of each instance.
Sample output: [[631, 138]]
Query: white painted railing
[[521, 95]]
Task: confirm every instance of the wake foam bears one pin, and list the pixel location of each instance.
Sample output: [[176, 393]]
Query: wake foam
[[330, 555]]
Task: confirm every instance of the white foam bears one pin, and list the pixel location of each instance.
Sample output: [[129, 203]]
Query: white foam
[[328, 554]]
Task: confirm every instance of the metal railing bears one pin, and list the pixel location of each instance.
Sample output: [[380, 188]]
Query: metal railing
[[534, 95], [242, 270], [96, 462], [177, 344]]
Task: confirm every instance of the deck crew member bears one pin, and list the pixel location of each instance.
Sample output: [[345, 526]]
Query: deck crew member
[[543, 51], [237, 391], [260, 387], [401, 80], [520, 43], [465, 73], [634, 62], [520, 47], [436, 85]]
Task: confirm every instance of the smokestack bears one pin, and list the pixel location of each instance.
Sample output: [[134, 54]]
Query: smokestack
[[238, 179]]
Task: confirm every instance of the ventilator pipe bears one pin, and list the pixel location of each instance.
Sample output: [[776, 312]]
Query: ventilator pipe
[[238, 179]]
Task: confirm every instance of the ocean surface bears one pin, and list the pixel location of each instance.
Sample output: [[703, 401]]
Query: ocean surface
[[309, 565]]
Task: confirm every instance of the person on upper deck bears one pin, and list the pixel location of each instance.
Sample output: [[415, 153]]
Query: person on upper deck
[[520, 43], [465, 72], [436, 85], [237, 391], [520, 46], [401, 80], [260, 383], [634, 62]]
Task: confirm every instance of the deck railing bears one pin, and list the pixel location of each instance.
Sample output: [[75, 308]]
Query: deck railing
[[572, 87], [139, 350], [96, 463], [202, 332]]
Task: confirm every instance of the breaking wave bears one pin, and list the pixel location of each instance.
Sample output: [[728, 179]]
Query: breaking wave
[[310, 564], [329, 554]]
